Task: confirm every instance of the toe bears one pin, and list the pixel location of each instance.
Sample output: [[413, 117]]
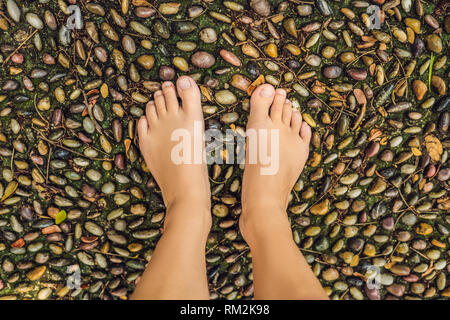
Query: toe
[[260, 101], [160, 103], [296, 121], [189, 94], [287, 113], [142, 127], [305, 132], [276, 110], [170, 96], [150, 112]]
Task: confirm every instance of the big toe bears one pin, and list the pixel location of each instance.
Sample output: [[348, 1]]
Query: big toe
[[189, 93], [261, 101]]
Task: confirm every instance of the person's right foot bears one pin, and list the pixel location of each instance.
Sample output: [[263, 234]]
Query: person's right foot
[[265, 197]]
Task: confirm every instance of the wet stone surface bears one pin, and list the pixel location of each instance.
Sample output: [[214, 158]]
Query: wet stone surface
[[77, 199]]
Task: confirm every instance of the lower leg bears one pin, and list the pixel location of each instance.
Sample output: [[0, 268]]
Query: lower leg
[[279, 269], [177, 269]]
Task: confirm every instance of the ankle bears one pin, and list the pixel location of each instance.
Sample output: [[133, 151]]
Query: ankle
[[262, 223], [192, 214], [258, 234]]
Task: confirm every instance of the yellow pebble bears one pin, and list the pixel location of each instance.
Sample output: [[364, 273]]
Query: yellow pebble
[[410, 35], [424, 229], [147, 44], [292, 48], [36, 273], [135, 247], [414, 24], [13, 70], [446, 292], [369, 250], [309, 120], [438, 243], [355, 261], [277, 18], [104, 90], [272, 50], [181, 63], [315, 160], [321, 208]]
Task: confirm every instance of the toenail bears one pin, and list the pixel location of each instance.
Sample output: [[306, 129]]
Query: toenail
[[158, 93], [267, 91], [167, 84], [184, 83], [281, 92], [287, 101]]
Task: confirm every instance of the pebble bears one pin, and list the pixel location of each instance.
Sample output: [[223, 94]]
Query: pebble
[[396, 289], [261, 7], [203, 59], [225, 97], [230, 57], [400, 270], [332, 72]]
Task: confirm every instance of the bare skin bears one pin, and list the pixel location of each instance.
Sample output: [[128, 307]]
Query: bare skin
[[177, 269], [279, 269]]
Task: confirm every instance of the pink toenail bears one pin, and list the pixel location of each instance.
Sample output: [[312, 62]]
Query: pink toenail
[[267, 92], [287, 101], [167, 84], [184, 83], [281, 92], [158, 93]]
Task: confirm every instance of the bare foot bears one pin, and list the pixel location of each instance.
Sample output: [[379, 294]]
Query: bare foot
[[185, 183], [265, 197]]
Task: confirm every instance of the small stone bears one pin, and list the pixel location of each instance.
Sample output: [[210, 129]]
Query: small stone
[[330, 274], [332, 72], [400, 270], [230, 57], [388, 223], [424, 229], [146, 61], [419, 89], [356, 244], [396, 289], [36, 273], [166, 73], [261, 7], [240, 82], [225, 97], [208, 35], [379, 186], [434, 43], [413, 24], [203, 59], [372, 293], [320, 208], [372, 149], [357, 74]]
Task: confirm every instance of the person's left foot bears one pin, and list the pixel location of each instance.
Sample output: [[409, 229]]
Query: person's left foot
[[164, 120]]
